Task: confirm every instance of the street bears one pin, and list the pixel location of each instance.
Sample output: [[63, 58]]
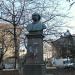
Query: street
[[60, 71]]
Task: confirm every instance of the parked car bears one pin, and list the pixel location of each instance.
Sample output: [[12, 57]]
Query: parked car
[[68, 63], [63, 63], [9, 66]]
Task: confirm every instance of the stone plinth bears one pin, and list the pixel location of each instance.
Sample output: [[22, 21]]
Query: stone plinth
[[34, 69], [34, 58], [35, 49], [9, 72]]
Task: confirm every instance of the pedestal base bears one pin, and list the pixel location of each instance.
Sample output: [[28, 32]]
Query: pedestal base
[[34, 69]]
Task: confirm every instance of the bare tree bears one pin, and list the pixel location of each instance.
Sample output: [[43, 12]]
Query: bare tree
[[11, 14], [71, 2], [6, 41]]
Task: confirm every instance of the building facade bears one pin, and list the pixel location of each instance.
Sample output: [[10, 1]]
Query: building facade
[[65, 46], [7, 43]]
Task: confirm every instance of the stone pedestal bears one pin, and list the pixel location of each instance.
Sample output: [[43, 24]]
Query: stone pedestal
[[34, 69], [34, 59], [35, 49], [9, 72]]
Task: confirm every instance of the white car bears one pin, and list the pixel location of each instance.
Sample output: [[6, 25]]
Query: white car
[[9, 66], [62, 62], [68, 63]]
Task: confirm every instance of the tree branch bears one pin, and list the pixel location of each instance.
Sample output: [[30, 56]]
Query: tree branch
[[5, 20]]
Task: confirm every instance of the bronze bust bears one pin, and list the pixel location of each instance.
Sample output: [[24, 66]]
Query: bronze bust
[[36, 25]]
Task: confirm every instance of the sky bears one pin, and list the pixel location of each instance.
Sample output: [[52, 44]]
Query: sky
[[72, 22]]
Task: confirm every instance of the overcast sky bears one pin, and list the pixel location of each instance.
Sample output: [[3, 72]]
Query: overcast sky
[[72, 22]]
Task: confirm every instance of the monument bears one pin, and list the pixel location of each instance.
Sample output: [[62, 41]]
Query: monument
[[34, 58]]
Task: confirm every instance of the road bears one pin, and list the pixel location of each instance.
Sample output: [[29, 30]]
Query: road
[[54, 71]]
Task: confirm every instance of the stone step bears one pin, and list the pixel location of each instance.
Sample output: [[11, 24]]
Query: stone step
[[9, 72]]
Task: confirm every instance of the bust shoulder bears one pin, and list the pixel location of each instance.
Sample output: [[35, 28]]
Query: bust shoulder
[[36, 26]]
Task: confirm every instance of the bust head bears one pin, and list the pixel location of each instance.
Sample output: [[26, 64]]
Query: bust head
[[36, 17], [36, 25]]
